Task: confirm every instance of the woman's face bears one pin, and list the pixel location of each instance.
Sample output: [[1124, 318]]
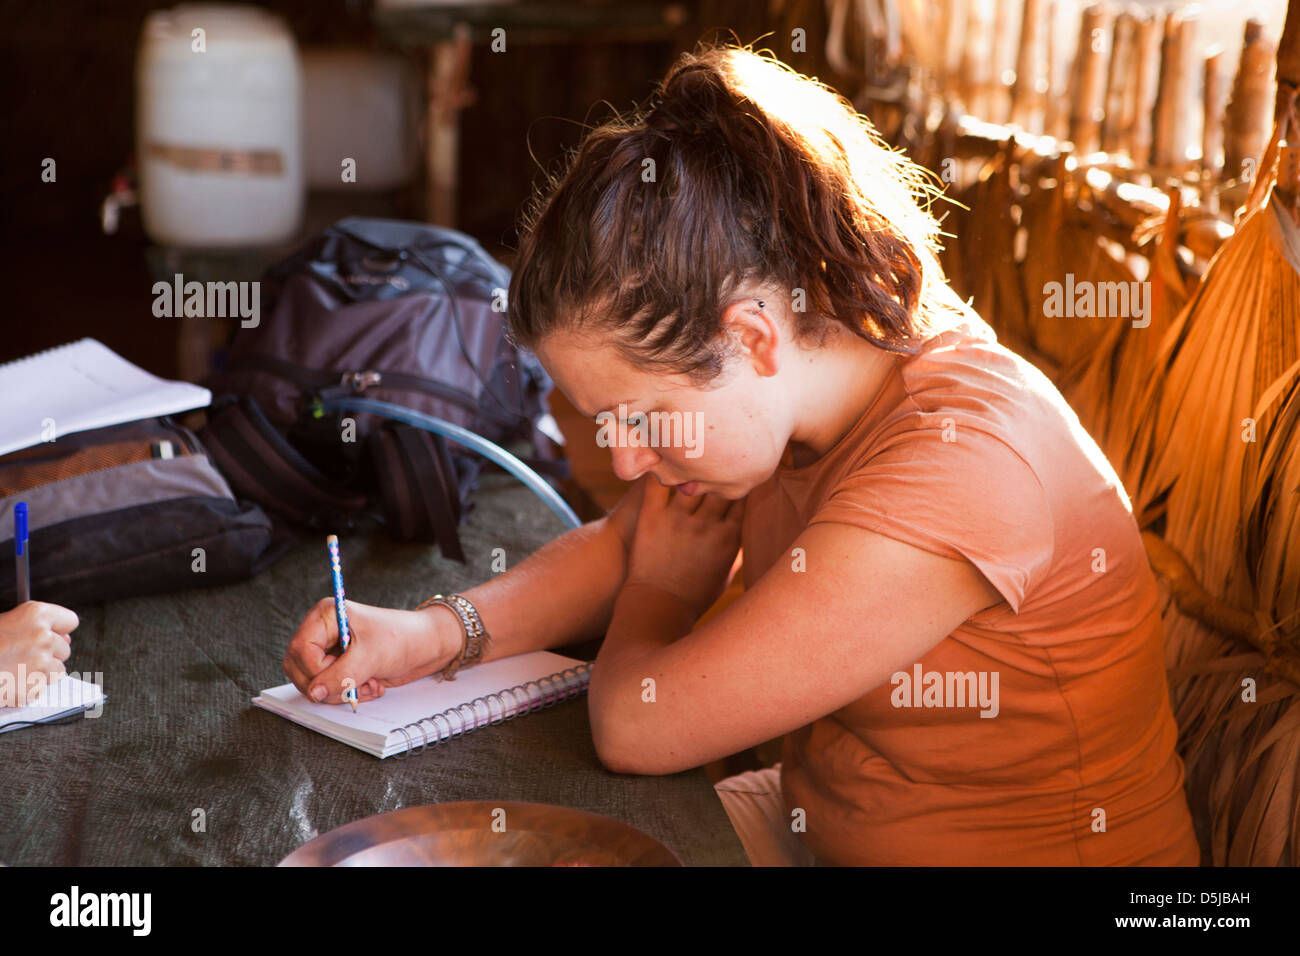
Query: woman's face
[[725, 439]]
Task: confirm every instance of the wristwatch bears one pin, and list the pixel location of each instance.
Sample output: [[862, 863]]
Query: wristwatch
[[476, 637]]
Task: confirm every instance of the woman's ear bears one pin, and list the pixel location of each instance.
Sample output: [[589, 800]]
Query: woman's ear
[[755, 333]]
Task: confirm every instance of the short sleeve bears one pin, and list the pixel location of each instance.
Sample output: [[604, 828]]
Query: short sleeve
[[972, 497]]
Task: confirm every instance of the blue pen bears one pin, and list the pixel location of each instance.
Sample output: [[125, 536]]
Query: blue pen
[[20, 553], [340, 612]]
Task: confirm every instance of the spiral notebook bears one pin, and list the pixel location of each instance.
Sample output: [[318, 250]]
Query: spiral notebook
[[429, 711], [79, 386]]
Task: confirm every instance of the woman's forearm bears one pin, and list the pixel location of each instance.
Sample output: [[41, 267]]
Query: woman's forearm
[[645, 620], [562, 594]]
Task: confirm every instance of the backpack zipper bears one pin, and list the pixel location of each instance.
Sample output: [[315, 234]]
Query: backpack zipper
[[316, 379]]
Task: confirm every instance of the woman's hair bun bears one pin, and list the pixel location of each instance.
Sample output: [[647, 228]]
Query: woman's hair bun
[[767, 178], [689, 101]]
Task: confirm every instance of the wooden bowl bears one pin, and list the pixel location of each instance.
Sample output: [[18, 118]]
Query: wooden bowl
[[484, 833]]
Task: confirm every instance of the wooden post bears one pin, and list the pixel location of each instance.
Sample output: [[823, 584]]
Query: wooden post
[[1147, 51], [1055, 111], [1216, 97], [1089, 80], [1120, 82], [1288, 59], [976, 66], [1173, 123], [448, 92], [1189, 68], [1031, 83], [1247, 119], [1000, 93], [953, 22]]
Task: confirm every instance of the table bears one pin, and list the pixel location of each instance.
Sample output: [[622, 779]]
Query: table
[[181, 769]]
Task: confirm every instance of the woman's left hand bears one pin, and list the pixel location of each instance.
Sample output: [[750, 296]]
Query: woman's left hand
[[685, 545]]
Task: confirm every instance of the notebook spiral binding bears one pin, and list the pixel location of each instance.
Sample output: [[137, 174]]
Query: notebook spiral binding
[[523, 699]]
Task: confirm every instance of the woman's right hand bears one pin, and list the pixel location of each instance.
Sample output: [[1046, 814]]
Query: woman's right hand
[[388, 648]]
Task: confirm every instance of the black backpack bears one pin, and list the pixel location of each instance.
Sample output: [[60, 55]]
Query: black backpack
[[402, 312]]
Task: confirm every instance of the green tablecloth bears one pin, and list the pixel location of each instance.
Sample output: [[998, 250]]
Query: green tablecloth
[[178, 733]]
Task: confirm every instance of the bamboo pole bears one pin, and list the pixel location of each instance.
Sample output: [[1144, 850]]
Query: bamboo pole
[[1173, 140], [1288, 61], [1089, 80], [1000, 93], [1190, 68], [1247, 119], [1162, 119], [976, 57], [953, 22], [1120, 82], [1031, 60], [1055, 112], [1147, 55], [1215, 99]]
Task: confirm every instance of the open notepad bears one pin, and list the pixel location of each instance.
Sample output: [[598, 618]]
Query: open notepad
[[430, 710], [80, 386], [63, 698]]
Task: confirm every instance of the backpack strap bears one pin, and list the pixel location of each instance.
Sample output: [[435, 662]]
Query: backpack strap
[[419, 486], [260, 464]]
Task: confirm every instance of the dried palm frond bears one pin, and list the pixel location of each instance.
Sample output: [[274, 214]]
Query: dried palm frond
[[1242, 755], [1066, 250], [1106, 390], [1224, 350], [1217, 459], [980, 259], [1271, 517]]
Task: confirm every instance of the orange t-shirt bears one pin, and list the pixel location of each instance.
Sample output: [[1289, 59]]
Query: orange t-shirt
[[970, 452]]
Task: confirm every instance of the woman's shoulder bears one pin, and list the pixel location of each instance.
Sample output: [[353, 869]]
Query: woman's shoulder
[[977, 452], [964, 360], [964, 380]]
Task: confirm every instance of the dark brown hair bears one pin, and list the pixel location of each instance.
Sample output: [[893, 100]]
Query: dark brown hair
[[741, 170]]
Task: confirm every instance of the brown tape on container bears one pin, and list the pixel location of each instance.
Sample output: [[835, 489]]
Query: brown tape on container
[[248, 162]]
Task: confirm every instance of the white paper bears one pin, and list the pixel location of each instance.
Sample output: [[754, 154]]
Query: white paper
[[371, 727], [65, 696], [80, 386]]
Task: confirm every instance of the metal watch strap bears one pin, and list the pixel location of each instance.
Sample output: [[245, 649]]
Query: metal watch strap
[[476, 637]]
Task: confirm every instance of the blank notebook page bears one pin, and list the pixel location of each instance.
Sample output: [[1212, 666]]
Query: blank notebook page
[[80, 386], [371, 728]]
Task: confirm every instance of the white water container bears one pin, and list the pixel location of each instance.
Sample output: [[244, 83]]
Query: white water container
[[219, 127]]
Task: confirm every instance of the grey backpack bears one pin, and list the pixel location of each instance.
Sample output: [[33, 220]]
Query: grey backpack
[[406, 313]]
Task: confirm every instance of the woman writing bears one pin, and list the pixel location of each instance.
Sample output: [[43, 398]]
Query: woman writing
[[948, 613]]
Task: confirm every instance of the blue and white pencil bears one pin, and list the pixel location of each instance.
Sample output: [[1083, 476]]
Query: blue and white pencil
[[341, 612]]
